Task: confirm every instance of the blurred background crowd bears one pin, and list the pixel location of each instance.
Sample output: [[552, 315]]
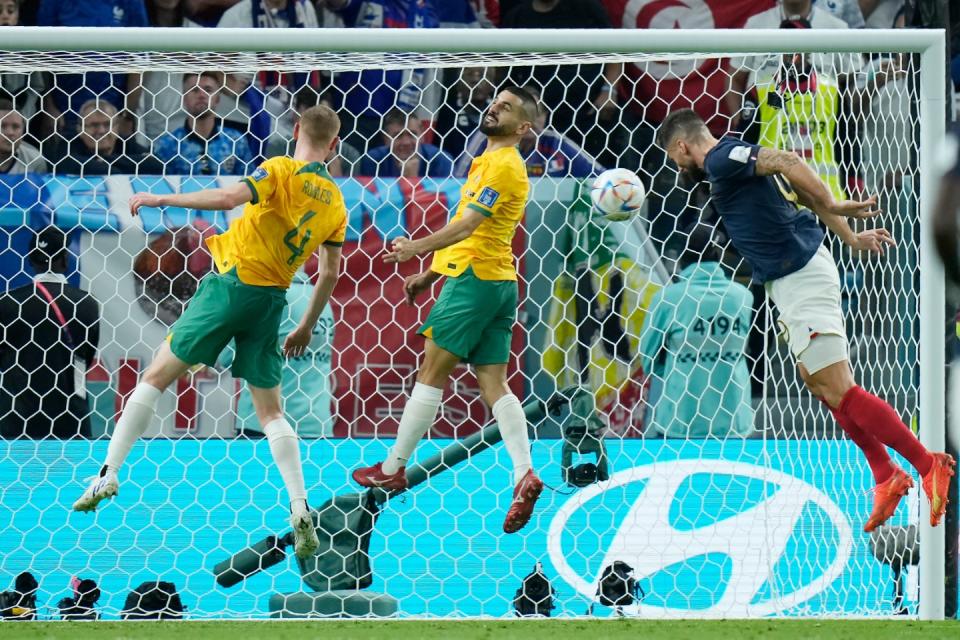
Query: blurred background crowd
[[853, 116]]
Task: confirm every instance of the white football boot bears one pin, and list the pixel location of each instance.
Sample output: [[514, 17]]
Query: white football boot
[[305, 540], [101, 488]]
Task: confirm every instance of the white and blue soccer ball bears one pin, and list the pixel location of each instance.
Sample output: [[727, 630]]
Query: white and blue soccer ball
[[618, 194]]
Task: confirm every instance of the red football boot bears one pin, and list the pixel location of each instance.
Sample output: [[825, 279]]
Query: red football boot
[[375, 478], [936, 484], [886, 497], [525, 496]]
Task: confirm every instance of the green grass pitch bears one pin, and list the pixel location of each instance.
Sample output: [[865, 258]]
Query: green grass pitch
[[470, 630]]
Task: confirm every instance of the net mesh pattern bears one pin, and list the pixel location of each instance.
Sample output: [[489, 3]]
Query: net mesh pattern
[[730, 494]]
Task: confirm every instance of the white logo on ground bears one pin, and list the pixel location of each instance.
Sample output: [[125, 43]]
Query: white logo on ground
[[754, 540]]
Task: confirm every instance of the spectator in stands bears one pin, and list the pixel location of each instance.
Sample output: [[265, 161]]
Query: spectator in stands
[[370, 94], [99, 150], [159, 109], [756, 70], [888, 130], [49, 331], [23, 89], [9, 13], [263, 102], [203, 145], [459, 116], [694, 342], [566, 88], [16, 155], [403, 154], [889, 126], [847, 10], [71, 90], [545, 151], [801, 100]]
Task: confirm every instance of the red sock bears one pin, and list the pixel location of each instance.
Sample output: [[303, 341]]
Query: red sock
[[878, 419], [877, 457]]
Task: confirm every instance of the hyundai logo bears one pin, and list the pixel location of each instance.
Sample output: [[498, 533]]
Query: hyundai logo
[[759, 539]]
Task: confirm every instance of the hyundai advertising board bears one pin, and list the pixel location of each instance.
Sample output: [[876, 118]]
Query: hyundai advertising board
[[712, 529]]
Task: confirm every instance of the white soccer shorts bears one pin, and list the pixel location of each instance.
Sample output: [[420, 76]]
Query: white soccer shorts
[[808, 301]]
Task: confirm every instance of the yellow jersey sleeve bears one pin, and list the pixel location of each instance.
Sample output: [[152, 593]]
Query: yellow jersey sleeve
[[495, 181], [338, 236], [264, 180]]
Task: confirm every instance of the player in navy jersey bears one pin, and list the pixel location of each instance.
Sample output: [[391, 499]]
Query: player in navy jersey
[[770, 202]]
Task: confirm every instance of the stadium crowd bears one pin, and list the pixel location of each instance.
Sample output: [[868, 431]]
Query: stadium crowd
[[215, 123], [422, 122]]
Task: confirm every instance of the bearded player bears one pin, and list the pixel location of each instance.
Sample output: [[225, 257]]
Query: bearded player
[[293, 208], [759, 193], [472, 319]]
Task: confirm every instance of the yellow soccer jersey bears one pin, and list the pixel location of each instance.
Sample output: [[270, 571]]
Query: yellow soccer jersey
[[295, 207], [497, 186]]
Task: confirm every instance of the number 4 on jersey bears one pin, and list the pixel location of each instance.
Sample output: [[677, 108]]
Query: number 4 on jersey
[[296, 250]]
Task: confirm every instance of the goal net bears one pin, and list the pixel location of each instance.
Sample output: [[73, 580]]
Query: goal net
[[725, 486]]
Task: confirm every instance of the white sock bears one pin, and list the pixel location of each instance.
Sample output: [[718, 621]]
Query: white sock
[[134, 420], [285, 448], [513, 427], [418, 416]]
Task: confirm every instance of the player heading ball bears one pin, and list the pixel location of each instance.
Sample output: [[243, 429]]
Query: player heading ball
[[769, 201]]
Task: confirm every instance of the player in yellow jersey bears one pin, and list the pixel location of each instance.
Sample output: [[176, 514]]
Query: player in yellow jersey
[[293, 208], [472, 320]]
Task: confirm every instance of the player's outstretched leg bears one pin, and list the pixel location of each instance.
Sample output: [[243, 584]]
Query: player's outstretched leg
[[512, 422], [285, 449], [419, 414], [892, 482], [137, 413], [879, 421], [878, 418]]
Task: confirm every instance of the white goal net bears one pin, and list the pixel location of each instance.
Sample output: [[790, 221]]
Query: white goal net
[[729, 495]]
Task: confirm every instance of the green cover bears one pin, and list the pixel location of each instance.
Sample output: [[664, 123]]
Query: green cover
[[342, 561]]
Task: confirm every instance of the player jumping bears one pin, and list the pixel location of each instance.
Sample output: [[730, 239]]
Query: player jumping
[[472, 319], [292, 208], [758, 193]]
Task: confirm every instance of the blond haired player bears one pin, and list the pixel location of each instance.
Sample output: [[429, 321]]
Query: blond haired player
[[293, 208], [472, 320]]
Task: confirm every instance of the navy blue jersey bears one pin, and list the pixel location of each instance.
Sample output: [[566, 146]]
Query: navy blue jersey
[[761, 214]]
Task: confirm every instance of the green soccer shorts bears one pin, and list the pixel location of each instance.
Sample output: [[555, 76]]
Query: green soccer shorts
[[473, 318], [225, 309]]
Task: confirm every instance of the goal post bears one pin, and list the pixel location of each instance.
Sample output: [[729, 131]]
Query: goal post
[[932, 303], [783, 487]]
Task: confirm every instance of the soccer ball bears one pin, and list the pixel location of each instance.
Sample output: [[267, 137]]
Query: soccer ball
[[617, 194]]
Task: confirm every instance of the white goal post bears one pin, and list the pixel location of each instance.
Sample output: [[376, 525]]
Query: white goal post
[[251, 50]]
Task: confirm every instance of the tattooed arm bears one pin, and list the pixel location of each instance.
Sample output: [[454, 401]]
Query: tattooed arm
[[813, 192]]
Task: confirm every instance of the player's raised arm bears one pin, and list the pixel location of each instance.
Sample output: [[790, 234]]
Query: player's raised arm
[[814, 193], [220, 199], [404, 248], [811, 189]]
